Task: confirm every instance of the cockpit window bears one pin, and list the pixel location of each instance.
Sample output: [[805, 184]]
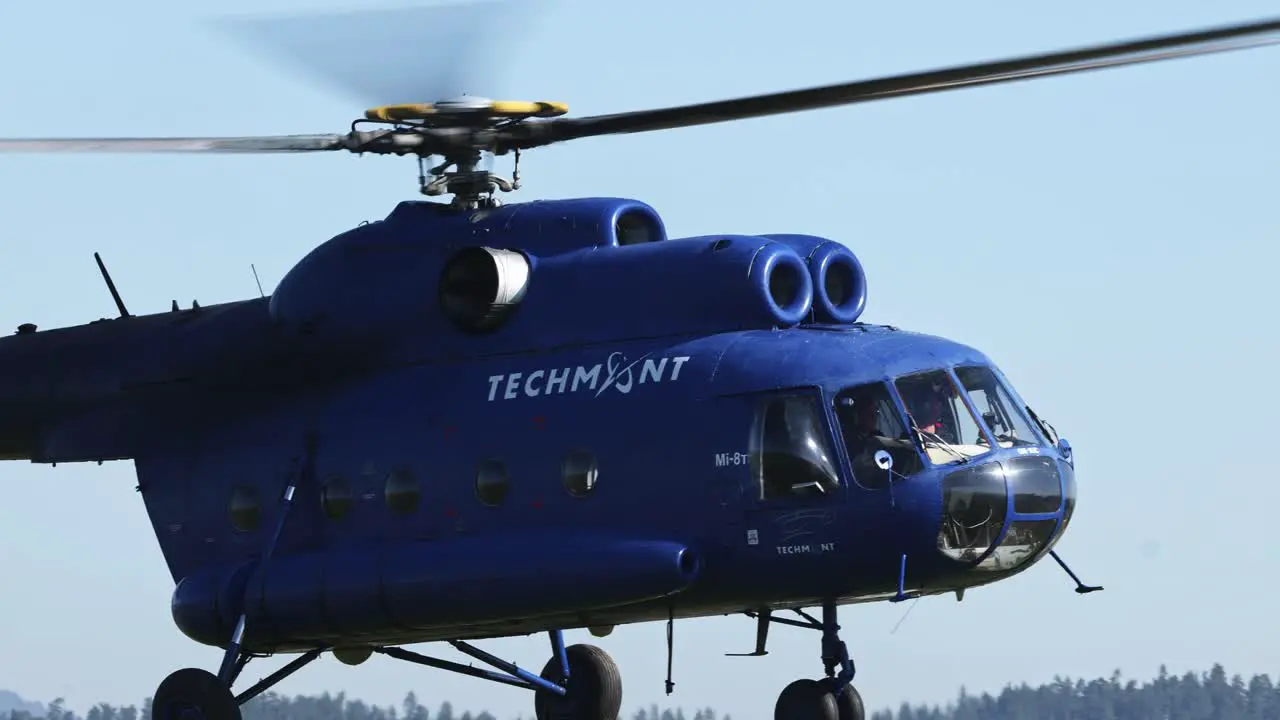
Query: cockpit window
[[869, 421], [998, 409], [948, 430], [790, 451]]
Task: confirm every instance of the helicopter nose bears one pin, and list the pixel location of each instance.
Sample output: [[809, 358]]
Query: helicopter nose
[[985, 532]]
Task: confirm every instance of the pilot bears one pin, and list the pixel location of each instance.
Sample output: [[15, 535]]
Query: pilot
[[930, 411], [866, 417], [863, 436], [860, 421]]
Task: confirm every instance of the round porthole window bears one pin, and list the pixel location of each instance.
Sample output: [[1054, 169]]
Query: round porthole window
[[336, 498], [579, 471], [244, 508], [492, 483], [402, 492]]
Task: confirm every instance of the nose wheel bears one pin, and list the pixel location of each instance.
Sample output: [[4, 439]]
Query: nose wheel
[[831, 698]]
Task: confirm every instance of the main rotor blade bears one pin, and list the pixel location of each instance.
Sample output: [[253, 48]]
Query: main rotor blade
[[389, 56], [1071, 61], [265, 144]]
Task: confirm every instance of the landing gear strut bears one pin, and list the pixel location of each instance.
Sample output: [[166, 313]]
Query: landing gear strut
[[832, 697], [579, 682]]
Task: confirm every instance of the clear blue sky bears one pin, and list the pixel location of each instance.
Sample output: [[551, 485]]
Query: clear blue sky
[[1107, 238]]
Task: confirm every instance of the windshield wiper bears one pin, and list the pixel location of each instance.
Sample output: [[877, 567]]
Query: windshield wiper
[[940, 442], [1013, 439], [1045, 427]]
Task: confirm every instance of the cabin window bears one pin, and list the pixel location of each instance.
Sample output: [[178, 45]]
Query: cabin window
[[790, 451], [492, 483], [1035, 483], [939, 415], [870, 422], [1069, 501], [402, 492], [1025, 540], [335, 497], [974, 508], [579, 470], [244, 508]]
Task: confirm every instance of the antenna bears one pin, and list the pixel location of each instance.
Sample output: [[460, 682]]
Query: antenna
[[115, 295], [255, 279]]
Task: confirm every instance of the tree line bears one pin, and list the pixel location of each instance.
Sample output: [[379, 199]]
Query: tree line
[[1192, 696]]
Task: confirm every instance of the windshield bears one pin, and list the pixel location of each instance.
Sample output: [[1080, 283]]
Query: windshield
[[999, 410], [950, 432], [869, 422]]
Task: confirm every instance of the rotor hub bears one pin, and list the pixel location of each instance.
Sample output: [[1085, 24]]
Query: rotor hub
[[459, 129], [465, 110]]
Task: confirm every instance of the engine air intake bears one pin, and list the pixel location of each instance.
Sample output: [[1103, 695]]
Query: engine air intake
[[481, 286]]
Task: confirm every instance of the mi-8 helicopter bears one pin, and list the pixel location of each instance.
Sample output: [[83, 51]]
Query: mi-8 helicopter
[[403, 443]]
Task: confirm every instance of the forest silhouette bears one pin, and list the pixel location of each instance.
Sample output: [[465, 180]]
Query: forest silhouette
[[1210, 695]]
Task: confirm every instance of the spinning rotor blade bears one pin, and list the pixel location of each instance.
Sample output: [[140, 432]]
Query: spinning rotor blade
[[1060, 63], [266, 144], [422, 61], [393, 55]]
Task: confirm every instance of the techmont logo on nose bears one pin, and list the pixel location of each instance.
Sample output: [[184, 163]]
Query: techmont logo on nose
[[617, 373]]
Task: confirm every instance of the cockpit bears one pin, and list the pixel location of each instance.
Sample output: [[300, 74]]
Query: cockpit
[[963, 428], [944, 419], [950, 430]]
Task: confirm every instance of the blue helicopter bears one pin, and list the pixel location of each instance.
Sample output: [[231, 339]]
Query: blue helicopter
[[467, 397]]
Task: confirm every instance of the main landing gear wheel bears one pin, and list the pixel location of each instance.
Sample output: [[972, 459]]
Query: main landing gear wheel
[[833, 697], [194, 694], [592, 692], [806, 700], [848, 702], [815, 700]]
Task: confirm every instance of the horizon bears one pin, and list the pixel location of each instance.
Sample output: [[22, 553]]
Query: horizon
[[962, 693]]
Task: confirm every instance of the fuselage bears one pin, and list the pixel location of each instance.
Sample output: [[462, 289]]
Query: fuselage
[[674, 435], [606, 481]]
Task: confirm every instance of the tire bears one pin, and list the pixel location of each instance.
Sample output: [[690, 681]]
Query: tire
[[194, 694], [806, 700], [593, 691], [849, 704]]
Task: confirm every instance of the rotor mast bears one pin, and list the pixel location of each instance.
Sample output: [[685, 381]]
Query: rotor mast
[[471, 186]]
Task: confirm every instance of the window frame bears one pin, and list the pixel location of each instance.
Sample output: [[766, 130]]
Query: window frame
[[820, 403], [1019, 407], [886, 383], [958, 387]]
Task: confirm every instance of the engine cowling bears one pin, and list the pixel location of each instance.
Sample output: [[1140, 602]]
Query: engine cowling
[[369, 285], [702, 284], [356, 288], [545, 274]]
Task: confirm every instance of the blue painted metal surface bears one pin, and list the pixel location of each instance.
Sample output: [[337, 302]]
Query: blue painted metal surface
[[652, 361]]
